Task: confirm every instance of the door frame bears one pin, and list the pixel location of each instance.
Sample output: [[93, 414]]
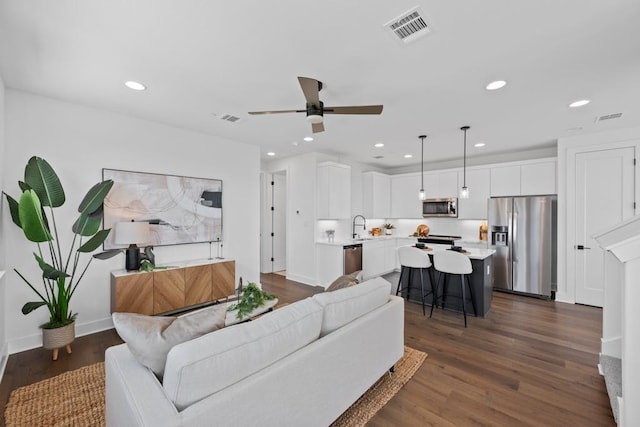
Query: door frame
[[266, 265], [566, 208]]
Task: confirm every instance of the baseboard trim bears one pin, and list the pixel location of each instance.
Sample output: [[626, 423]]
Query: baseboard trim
[[564, 297], [4, 358], [302, 279], [30, 342], [611, 347]]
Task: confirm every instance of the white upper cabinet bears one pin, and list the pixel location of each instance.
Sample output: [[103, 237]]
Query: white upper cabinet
[[441, 184], [526, 179], [405, 201], [505, 181], [334, 191], [376, 195], [538, 178], [479, 184]]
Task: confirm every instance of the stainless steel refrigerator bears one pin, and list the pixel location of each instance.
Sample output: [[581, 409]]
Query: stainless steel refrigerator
[[523, 233]]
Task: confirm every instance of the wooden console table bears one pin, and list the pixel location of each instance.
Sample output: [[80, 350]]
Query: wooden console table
[[173, 289]]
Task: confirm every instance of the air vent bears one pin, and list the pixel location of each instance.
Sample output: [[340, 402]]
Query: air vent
[[378, 157], [409, 26], [608, 117], [229, 118]]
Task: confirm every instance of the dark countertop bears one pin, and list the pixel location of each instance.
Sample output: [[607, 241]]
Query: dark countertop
[[439, 239]]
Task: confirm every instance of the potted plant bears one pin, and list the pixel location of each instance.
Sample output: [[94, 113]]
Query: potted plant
[[388, 228], [34, 214]]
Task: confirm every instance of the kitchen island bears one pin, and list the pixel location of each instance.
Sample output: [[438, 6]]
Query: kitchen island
[[480, 280]]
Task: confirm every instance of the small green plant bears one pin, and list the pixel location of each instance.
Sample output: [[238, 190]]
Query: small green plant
[[252, 298], [388, 226], [146, 265]]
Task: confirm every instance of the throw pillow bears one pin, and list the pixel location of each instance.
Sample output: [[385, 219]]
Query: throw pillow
[[150, 338], [345, 281]]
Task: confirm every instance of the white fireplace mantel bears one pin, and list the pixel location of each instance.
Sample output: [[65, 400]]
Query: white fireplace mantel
[[623, 239], [622, 296]]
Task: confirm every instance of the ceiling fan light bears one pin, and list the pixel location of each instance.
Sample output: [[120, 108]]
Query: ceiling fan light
[[314, 119]]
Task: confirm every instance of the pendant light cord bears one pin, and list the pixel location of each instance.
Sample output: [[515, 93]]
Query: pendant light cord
[[464, 161], [422, 164], [464, 158], [422, 137]]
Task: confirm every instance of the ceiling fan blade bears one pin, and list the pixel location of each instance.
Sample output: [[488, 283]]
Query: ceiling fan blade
[[317, 127], [311, 89], [276, 112], [356, 109]]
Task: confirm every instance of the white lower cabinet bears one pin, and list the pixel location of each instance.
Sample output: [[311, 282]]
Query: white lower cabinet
[[329, 263], [378, 257]]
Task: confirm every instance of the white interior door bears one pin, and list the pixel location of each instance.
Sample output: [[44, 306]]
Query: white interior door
[[279, 225], [604, 196]]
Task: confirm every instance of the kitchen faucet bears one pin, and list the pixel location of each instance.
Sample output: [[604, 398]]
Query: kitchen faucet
[[353, 225]]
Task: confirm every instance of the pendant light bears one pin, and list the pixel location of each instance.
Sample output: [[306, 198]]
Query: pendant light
[[421, 194], [464, 191]]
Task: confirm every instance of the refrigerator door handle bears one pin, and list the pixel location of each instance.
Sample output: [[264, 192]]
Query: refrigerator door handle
[[514, 233]]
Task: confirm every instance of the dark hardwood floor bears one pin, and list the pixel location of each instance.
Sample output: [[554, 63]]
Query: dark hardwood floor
[[529, 363]]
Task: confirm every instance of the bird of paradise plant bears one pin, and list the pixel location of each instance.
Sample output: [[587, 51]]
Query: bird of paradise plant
[[62, 272]]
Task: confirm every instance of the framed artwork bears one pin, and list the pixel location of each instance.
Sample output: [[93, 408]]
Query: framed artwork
[[179, 209]]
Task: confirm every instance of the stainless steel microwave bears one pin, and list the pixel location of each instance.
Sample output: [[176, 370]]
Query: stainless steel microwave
[[440, 208]]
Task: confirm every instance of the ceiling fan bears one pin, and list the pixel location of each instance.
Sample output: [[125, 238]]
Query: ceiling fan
[[315, 108]]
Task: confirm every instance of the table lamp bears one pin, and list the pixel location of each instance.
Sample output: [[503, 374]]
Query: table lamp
[[132, 233]]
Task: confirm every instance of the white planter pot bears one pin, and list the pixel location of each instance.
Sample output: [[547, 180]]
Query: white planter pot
[[53, 339]]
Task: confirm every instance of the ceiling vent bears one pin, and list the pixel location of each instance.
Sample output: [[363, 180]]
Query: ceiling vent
[[409, 26], [229, 118], [378, 157], [608, 117]]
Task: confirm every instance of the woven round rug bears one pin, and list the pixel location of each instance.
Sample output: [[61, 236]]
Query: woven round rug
[[76, 398]]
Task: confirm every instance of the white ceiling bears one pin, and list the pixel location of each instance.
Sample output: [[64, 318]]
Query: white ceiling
[[200, 57]]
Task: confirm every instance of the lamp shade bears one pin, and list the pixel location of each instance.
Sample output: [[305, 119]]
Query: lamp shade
[[128, 233]]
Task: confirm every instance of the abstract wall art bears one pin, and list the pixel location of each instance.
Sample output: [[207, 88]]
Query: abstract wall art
[[179, 209]]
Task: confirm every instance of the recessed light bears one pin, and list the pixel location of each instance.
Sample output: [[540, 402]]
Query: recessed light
[[408, 156], [379, 145], [271, 153], [479, 144], [580, 103], [135, 85], [496, 85], [308, 139]]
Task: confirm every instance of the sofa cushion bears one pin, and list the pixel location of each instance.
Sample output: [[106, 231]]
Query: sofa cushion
[[345, 281], [344, 305], [205, 365], [150, 338]]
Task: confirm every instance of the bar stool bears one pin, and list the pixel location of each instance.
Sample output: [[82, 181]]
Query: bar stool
[[412, 258], [451, 262]]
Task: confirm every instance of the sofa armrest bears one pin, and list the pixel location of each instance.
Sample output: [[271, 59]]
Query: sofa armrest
[[133, 394]]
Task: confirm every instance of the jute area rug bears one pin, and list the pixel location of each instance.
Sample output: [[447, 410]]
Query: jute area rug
[[76, 398]]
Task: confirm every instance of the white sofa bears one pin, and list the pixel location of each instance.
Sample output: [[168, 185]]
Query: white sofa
[[303, 364]]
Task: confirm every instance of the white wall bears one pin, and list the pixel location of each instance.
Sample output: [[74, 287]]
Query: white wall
[[566, 165], [301, 214], [78, 142], [3, 334]]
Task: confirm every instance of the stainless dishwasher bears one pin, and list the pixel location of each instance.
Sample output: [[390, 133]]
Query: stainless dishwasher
[[352, 258]]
